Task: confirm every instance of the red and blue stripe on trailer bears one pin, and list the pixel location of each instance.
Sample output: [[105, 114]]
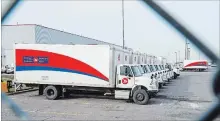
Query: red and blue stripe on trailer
[[32, 60]]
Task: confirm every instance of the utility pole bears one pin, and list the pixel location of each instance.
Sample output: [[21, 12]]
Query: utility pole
[[186, 50], [123, 33], [188, 53], [176, 57], [179, 56]]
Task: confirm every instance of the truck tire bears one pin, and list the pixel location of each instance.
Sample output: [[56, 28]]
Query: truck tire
[[140, 97], [175, 75], [164, 84], [160, 85], [51, 92]]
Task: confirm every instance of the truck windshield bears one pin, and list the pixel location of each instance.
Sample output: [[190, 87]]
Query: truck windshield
[[146, 69], [157, 69], [136, 71], [151, 68], [161, 67], [141, 69], [142, 66]]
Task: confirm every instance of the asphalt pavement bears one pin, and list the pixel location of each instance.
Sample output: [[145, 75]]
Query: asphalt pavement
[[185, 98]]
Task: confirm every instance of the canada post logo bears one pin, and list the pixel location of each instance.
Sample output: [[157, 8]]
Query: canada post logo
[[31, 59]]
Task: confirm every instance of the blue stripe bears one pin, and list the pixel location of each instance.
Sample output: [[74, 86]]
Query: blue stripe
[[44, 68]]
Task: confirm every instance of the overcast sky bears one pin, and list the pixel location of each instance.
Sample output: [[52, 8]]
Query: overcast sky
[[144, 30]]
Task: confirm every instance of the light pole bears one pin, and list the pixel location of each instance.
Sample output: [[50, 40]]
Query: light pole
[[179, 56], [185, 49], [123, 33], [176, 57], [188, 50]]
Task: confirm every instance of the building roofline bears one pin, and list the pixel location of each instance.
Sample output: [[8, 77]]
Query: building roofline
[[148, 54], [83, 36], [19, 25], [66, 33]]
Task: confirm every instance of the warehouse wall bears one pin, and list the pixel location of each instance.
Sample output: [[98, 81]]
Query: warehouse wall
[[38, 34], [15, 34]]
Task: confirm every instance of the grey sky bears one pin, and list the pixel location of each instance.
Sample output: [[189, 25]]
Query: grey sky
[[144, 31]]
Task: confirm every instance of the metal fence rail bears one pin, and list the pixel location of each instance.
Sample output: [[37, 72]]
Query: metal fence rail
[[213, 112]]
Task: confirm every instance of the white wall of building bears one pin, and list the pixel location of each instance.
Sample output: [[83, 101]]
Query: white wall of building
[[15, 34]]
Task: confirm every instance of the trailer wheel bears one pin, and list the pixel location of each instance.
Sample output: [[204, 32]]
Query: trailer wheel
[[140, 97], [51, 92]]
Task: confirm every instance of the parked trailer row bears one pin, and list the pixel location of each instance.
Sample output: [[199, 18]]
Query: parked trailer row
[[59, 69], [195, 65]]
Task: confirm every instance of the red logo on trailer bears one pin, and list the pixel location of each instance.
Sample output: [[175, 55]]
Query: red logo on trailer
[[35, 60], [124, 80]]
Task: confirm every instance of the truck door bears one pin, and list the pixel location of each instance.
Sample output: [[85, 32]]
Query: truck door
[[125, 77]]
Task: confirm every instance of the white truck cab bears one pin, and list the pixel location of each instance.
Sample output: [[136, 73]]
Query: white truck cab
[[170, 70], [158, 75], [166, 72], [176, 71], [148, 74], [162, 74], [133, 73]]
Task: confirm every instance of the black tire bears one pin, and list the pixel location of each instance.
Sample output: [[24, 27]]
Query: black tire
[[175, 75], [160, 85], [164, 84], [51, 92], [141, 97]]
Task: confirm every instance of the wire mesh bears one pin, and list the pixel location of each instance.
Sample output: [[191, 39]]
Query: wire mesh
[[212, 113]]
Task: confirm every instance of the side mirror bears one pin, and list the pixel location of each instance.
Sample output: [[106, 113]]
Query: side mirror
[[152, 76], [130, 75]]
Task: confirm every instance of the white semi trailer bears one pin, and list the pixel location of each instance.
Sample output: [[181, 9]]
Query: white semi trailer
[[196, 65]]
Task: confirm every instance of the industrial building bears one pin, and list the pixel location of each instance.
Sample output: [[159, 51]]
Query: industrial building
[[31, 34]]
